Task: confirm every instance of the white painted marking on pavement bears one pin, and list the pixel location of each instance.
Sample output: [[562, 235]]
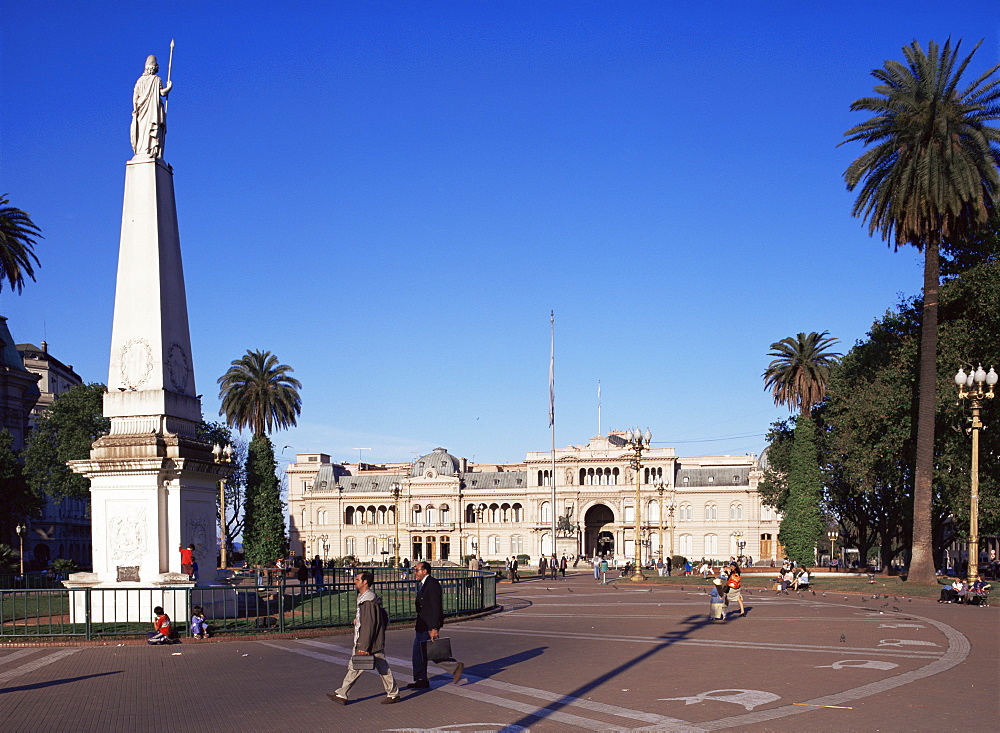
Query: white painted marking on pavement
[[747, 698], [36, 664], [859, 664]]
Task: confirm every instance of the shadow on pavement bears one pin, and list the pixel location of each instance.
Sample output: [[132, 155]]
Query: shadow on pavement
[[495, 666], [691, 623], [52, 683]]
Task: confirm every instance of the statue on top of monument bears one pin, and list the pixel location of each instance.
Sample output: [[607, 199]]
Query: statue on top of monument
[[149, 114]]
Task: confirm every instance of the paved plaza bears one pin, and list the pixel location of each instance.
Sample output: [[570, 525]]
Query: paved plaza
[[563, 655]]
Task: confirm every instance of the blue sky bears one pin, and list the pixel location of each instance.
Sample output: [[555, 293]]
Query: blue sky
[[392, 196]]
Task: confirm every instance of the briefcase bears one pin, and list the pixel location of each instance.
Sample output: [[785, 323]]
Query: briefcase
[[363, 661], [437, 650]]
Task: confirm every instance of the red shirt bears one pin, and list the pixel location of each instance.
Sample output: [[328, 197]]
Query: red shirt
[[187, 556], [162, 624]]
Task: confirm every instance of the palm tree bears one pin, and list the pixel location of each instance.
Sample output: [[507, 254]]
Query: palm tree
[[17, 242], [258, 393], [797, 378], [798, 374], [929, 176]]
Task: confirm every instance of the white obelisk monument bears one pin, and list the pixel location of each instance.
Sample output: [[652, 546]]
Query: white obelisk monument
[[153, 483]]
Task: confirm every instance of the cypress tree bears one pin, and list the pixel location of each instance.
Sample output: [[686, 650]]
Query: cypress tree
[[802, 525], [264, 519]]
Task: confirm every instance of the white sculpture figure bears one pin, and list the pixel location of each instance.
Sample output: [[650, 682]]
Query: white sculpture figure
[[149, 116]]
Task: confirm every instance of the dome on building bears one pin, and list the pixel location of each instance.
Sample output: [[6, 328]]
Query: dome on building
[[762, 460], [443, 463]]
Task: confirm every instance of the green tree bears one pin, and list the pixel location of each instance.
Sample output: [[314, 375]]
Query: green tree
[[797, 378], [16, 497], [63, 433], [258, 393], [264, 523], [17, 245], [928, 176]]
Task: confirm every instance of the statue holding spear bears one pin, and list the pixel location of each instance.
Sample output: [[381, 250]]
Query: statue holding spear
[[149, 113]]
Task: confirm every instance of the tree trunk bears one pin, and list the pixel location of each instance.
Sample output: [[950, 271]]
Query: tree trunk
[[922, 561]]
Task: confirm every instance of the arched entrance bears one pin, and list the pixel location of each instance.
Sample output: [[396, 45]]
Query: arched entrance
[[598, 538]]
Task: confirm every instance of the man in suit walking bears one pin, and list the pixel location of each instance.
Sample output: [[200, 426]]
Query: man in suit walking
[[430, 619]]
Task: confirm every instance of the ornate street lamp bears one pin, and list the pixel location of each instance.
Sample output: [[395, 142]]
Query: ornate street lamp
[[20, 536], [324, 545], [638, 443], [970, 387], [833, 535], [740, 544], [671, 505], [479, 532], [659, 514], [223, 456], [395, 515]]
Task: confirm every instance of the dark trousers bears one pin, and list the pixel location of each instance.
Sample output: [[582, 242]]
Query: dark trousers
[[420, 661]]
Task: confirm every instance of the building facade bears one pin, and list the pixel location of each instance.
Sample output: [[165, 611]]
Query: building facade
[[63, 529], [442, 508]]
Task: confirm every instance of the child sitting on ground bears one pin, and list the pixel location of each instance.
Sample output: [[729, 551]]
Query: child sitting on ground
[[715, 601], [161, 625], [198, 626]]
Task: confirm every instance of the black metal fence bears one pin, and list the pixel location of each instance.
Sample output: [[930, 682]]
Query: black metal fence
[[278, 604]]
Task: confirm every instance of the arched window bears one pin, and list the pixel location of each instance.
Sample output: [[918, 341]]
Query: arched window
[[546, 544], [615, 473], [444, 513], [583, 477], [505, 512], [766, 513], [736, 512], [494, 513], [370, 515], [684, 513], [349, 518], [470, 514], [711, 512], [686, 546], [381, 515], [711, 545], [350, 543], [494, 544], [518, 512], [653, 511], [321, 516], [417, 511], [546, 511], [430, 515], [516, 544]]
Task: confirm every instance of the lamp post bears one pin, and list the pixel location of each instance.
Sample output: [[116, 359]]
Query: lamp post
[[671, 505], [637, 443], [223, 456], [832, 535], [740, 544], [659, 514], [971, 387], [20, 537], [479, 532], [324, 545], [395, 514]]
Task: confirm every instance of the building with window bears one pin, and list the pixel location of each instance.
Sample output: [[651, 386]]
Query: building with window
[[63, 529], [442, 507]]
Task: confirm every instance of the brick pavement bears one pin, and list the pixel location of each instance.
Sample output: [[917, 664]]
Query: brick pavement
[[565, 655]]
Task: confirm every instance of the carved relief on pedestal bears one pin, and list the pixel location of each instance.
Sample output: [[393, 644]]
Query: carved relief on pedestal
[[135, 362], [126, 532], [197, 533], [178, 367]]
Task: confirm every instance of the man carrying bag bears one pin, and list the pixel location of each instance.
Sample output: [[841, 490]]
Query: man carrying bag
[[430, 619], [370, 623]]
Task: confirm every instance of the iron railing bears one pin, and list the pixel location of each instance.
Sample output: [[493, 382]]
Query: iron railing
[[247, 606]]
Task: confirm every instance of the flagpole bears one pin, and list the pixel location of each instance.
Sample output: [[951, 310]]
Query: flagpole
[[552, 417], [599, 407]]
